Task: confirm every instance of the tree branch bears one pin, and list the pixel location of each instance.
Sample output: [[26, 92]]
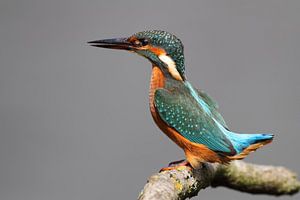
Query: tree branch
[[184, 183]]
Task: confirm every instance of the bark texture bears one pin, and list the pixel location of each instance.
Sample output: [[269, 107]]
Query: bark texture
[[184, 183]]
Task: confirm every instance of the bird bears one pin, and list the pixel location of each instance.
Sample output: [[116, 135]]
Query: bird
[[188, 116]]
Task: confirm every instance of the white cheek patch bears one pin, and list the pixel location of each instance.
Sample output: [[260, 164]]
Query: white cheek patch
[[171, 66]]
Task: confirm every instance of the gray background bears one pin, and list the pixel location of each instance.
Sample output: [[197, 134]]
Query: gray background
[[74, 120]]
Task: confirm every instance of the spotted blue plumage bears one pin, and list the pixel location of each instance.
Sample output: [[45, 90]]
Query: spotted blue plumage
[[180, 110], [194, 115]]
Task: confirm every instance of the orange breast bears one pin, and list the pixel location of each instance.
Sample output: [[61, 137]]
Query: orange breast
[[195, 153]]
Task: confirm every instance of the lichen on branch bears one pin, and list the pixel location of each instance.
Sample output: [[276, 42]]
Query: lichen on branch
[[184, 183]]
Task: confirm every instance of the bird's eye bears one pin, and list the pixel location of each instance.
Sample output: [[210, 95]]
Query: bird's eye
[[144, 42], [141, 42]]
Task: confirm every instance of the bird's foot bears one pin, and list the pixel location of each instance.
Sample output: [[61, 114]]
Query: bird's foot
[[177, 162], [177, 165]]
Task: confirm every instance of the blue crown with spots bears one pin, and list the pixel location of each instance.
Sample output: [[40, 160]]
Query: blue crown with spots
[[169, 42]]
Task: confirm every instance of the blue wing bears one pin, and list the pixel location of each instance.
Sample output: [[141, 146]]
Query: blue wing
[[180, 110], [213, 106]]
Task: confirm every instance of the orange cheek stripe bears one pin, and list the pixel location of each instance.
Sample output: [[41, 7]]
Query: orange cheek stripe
[[158, 51]]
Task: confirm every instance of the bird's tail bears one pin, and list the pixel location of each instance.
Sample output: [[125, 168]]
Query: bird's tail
[[247, 143]]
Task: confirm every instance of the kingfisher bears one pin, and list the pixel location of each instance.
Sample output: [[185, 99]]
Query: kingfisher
[[187, 115]]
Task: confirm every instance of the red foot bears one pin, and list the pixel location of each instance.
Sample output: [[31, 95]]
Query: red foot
[[176, 165]]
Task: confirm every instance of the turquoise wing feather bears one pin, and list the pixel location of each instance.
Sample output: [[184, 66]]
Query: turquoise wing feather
[[213, 107], [182, 112], [212, 103]]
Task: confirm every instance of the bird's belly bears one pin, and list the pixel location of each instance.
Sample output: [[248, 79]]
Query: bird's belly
[[195, 153], [157, 81]]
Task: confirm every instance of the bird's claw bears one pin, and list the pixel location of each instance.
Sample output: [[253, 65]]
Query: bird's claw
[[177, 165]]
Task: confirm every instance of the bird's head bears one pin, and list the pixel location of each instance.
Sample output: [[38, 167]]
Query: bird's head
[[162, 48]]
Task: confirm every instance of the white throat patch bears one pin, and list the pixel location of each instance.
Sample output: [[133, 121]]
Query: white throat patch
[[171, 66]]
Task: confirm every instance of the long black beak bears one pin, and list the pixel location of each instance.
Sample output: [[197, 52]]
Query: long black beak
[[115, 43]]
